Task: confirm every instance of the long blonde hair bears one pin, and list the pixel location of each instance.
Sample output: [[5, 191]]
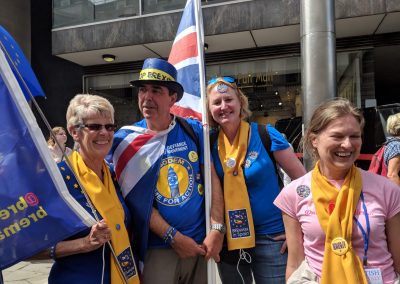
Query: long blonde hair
[[245, 111], [55, 130]]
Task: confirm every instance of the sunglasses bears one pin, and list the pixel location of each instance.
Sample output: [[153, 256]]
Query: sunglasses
[[225, 78], [97, 127]]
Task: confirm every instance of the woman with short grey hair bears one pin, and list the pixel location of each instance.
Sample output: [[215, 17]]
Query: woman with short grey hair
[[86, 257]]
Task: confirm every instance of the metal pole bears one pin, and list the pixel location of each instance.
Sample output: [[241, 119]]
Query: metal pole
[[211, 269], [318, 55]]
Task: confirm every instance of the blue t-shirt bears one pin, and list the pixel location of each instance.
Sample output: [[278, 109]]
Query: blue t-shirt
[[179, 193], [261, 179]]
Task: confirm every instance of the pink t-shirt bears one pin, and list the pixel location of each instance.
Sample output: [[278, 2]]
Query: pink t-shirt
[[382, 199]]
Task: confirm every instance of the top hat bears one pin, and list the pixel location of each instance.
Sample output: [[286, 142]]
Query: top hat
[[157, 71]]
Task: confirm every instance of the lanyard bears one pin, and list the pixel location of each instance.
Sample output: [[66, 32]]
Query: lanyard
[[365, 235]]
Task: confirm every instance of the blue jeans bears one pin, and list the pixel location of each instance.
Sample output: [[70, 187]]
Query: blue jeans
[[268, 265]]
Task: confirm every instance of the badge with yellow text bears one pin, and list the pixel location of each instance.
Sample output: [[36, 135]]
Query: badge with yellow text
[[193, 157], [339, 246], [176, 182]]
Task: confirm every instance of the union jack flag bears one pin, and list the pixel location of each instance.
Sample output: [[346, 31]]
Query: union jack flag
[[136, 154], [185, 57]]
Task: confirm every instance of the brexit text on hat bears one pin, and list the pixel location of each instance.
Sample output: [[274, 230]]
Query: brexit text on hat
[[154, 74]]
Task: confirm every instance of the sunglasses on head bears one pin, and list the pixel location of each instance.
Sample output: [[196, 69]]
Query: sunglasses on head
[[97, 127], [225, 78]]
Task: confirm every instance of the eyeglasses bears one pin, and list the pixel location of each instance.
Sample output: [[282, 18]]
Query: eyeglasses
[[225, 78], [97, 127]]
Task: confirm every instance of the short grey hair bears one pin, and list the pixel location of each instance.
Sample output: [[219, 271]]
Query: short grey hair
[[84, 105], [393, 124]]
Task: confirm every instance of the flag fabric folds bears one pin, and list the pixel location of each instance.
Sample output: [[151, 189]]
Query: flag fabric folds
[[137, 153], [36, 209], [20, 65], [185, 57]]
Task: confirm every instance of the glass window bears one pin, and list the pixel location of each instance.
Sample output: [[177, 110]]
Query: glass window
[[117, 89], [273, 88], [350, 76], [75, 12], [153, 6], [72, 12]]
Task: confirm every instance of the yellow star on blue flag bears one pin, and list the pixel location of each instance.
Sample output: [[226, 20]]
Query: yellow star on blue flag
[[20, 66]]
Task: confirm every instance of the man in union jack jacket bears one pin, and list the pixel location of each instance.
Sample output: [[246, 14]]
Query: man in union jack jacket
[[158, 165]]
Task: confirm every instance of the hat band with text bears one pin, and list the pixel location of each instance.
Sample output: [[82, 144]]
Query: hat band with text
[[155, 74]]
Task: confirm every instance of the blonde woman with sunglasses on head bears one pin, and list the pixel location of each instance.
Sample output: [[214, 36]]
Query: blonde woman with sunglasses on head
[[254, 225]]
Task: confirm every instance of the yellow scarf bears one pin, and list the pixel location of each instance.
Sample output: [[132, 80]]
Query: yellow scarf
[[240, 228], [106, 201], [341, 264]]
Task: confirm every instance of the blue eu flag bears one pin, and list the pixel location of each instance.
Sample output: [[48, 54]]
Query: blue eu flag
[[20, 65], [36, 209]]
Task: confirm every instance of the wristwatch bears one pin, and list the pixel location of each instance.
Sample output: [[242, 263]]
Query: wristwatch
[[219, 227]]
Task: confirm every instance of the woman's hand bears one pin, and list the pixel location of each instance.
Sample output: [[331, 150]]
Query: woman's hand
[[284, 245], [99, 235]]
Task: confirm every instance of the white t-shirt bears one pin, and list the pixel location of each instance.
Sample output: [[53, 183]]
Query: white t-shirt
[[382, 199], [57, 154]]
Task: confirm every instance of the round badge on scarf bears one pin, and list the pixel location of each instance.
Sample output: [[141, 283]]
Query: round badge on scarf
[[222, 88], [303, 191], [339, 246], [231, 162]]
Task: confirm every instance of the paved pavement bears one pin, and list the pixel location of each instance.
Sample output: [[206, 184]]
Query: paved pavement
[[25, 272], [35, 272]]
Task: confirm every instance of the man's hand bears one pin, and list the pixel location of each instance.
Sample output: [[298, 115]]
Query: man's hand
[[213, 244], [186, 247]]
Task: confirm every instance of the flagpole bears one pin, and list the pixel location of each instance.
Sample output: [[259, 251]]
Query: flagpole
[[206, 130]]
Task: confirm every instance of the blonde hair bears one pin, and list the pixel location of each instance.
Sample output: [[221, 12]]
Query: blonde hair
[[393, 124], [84, 105], [245, 111], [55, 130], [324, 115]]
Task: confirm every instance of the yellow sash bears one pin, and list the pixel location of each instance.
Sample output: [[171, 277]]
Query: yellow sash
[[107, 203], [239, 219], [341, 264]]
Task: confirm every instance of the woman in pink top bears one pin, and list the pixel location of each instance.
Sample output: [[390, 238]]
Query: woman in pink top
[[342, 223]]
